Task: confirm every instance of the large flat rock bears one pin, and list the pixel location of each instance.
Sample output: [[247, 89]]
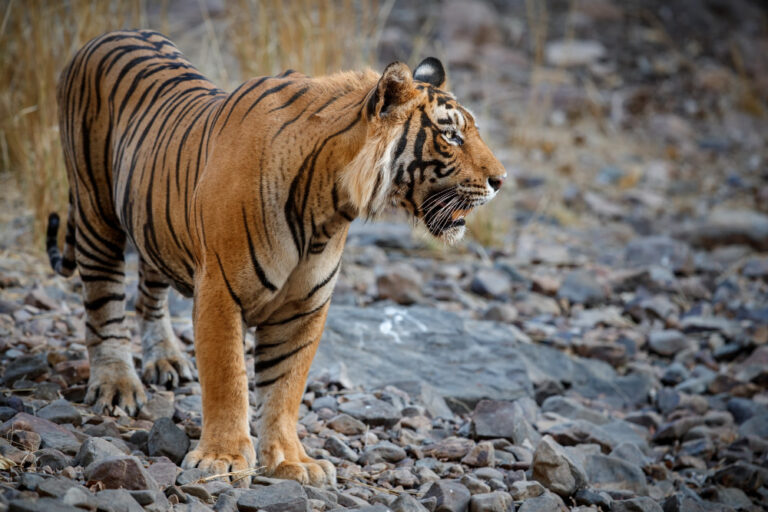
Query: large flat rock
[[464, 360]]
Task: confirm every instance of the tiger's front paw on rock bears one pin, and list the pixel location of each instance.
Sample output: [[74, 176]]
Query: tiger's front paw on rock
[[317, 473], [115, 384], [223, 459]]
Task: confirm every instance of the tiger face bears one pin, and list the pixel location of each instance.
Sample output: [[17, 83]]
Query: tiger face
[[435, 165]]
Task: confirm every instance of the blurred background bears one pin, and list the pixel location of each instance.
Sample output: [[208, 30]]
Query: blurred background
[[621, 274], [644, 112]]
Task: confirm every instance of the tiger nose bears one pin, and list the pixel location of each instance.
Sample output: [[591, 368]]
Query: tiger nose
[[495, 182]]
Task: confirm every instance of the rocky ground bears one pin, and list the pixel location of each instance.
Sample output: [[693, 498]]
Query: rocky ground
[[600, 344]]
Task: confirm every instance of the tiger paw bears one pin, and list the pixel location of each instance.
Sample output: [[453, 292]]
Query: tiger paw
[[163, 367], [317, 473], [221, 458], [115, 384], [162, 361]]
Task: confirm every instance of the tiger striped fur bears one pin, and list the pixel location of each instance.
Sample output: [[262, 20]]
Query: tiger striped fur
[[243, 201]]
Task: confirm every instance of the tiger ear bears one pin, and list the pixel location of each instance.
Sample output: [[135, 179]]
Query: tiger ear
[[394, 88], [431, 71]]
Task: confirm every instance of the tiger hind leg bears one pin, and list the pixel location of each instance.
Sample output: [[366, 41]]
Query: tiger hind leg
[[163, 362], [113, 381]]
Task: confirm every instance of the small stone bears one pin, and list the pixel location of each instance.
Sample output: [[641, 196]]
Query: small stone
[[347, 425], [164, 472], [571, 409], [29, 366], [755, 426], [61, 411], [199, 491], [525, 489], [614, 474], [400, 283], [475, 485], [407, 503], [501, 312], [371, 411], [29, 441], [491, 283], [450, 448], [338, 448], [548, 502], [287, 496], [52, 435], [451, 496], [52, 458], [120, 472], [189, 476], [491, 502], [661, 251], [159, 406], [556, 470], [39, 298], [74, 372], [593, 498], [480, 456], [40, 505], [94, 449], [670, 342], [494, 419], [167, 439], [119, 500], [55, 487], [581, 287], [641, 504]]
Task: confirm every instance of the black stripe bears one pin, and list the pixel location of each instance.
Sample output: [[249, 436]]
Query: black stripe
[[324, 281], [269, 382], [254, 261], [229, 288], [261, 366], [103, 301], [266, 93], [297, 315], [298, 94]]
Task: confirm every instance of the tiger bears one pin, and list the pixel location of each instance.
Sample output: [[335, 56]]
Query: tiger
[[242, 201]]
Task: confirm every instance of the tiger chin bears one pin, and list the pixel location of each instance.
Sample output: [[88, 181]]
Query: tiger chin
[[242, 201]]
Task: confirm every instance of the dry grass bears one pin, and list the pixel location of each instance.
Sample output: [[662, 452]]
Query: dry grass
[[251, 37], [37, 37]]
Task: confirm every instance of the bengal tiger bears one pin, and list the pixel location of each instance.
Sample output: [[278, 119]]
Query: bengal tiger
[[242, 200]]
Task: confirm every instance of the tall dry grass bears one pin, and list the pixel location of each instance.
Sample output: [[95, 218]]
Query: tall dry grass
[[248, 38], [37, 37]]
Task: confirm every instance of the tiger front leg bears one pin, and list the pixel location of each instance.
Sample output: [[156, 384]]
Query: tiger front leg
[[225, 444], [285, 348]]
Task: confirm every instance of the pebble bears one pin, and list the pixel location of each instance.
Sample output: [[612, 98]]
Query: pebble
[[168, 440], [451, 496], [555, 470], [120, 472]]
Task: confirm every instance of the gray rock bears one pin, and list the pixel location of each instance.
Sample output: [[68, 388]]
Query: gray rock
[[407, 503], [493, 419], [372, 411], [347, 425], [491, 502], [189, 476], [614, 474], [475, 485], [158, 406], [451, 496], [755, 426], [548, 502], [570, 408], [55, 486], [641, 504], [581, 287], [288, 496], [630, 452], [80, 497], [327, 402], [117, 500], [480, 456], [40, 505], [660, 251], [556, 470], [501, 312], [338, 448], [593, 498], [29, 366], [52, 435], [96, 448], [728, 227], [400, 283], [167, 439], [447, 351], [524, 490], [120, 472], [52, 458], [426, 395], [163, 472], [386, 451], [61, 411], [491, 283], [670, 342], [388, 235]]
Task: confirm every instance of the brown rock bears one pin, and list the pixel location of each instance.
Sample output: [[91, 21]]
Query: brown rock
[[120, 472]]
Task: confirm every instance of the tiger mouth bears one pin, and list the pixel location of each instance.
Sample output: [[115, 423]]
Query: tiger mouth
[[444, 210]]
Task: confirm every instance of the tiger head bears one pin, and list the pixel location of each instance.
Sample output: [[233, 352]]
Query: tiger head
[[423, 152]]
